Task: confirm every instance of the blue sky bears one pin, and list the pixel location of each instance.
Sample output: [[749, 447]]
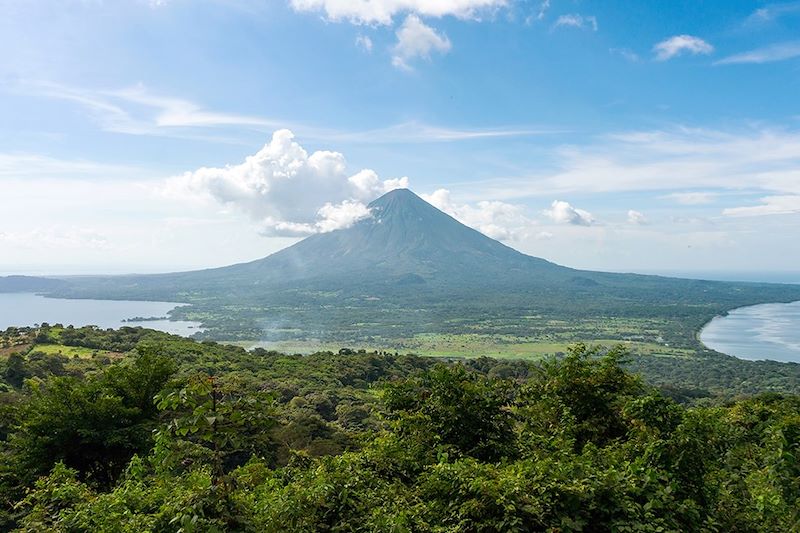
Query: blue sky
[[151, 135]]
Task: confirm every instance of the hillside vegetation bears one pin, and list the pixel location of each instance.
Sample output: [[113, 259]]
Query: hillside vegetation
[[143, 431]]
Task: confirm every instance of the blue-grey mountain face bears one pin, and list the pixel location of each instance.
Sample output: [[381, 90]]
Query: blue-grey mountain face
[[405, 242], [405, 239]]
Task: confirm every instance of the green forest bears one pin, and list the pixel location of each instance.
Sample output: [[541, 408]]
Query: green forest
[[133, 430]]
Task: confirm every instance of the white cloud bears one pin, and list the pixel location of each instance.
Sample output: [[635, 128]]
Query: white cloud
[[330, 217], [679, 159], [287, 190], [138, 111], [680, 44], [176, 112], [415, 132], [417, 40], [364, 42], [577, 21], [498, 220], [770, 205], [692, 198], [384, 11], [769, 54], [562, 212], [637, 218]]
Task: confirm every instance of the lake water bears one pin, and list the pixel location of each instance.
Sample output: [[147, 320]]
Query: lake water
[[22, 309], [768, 331]]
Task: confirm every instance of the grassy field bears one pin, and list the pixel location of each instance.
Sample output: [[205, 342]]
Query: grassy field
[[504, 346], [70, 351], [473, 345]]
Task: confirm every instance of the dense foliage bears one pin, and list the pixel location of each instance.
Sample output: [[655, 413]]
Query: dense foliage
[[150, 432]]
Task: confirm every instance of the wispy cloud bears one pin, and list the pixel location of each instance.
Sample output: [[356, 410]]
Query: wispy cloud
[[576, 20], [625, 53], [139, 111], [679, 45], [679, 160], [768, 54], [414, 132], [692, 198], [773, 12], [770, 205], [364, 42], [543, 8], [21, 165]]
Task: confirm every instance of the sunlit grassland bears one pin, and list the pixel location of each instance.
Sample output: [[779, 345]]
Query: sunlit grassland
[[504, 346], [69, 351], [472, 345]]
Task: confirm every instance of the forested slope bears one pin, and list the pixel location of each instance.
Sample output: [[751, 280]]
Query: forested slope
[[137, 430]]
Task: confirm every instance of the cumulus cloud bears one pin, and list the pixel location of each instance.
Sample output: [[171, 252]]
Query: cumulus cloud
[[384, 11], [679, 45], [562, 212], [288, 191], [770, 205], [498, 220], [417, 40], [768, 54], [576, 21], [637, 218]]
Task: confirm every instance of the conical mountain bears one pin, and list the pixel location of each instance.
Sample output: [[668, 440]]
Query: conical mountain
[[405, 239], [408, 251], [405, 242]]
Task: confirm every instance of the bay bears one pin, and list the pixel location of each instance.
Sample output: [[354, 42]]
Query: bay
[[767, 331], [24, 309]]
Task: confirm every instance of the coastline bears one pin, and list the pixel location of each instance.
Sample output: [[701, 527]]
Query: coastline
[[755, 332]]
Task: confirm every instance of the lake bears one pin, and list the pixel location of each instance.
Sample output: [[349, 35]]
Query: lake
[[767, 331], [22, 309]]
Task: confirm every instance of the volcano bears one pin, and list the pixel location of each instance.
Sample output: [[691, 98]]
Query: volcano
[[410, 264]]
